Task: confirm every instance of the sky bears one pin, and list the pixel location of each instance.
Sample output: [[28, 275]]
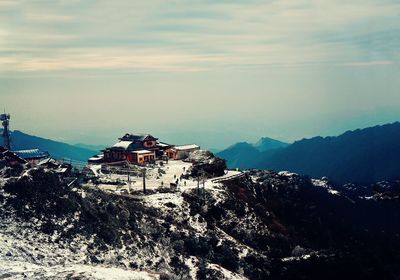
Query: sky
[[206, 72]]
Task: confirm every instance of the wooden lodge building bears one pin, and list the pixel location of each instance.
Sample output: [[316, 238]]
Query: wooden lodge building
[[141, 149], [135, 148], [181, 152]]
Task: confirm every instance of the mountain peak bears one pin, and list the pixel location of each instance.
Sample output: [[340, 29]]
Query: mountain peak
[[266, 143]]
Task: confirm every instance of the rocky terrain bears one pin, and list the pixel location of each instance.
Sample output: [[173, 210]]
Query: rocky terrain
[[204, 163], [263, 225]]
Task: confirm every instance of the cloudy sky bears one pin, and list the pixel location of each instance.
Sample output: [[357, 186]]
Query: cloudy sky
[[210, 72]]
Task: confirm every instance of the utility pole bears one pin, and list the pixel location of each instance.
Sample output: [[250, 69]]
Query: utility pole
[[129, 181], [144, 180], [203, 191], [198, 185]]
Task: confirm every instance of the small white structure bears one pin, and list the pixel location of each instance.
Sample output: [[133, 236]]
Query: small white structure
[[181, 152], [96, 159], [143, 156]]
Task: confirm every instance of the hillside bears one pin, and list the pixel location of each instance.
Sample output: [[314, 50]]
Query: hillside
[[58, 150], [242, 155], [362, 156], [90, 147], [263, 225]]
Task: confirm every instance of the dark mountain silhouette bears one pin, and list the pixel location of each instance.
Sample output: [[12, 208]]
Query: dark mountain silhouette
[[266, 144], [243, 154], [361, 156], [214, 150], [58, 150], [240, 155]]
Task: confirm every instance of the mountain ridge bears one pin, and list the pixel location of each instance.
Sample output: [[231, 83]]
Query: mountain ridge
[[267, 143], [361, 156], [56, 149], [242, 154]]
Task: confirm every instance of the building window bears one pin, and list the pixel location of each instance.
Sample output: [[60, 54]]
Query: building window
[[149, 143]]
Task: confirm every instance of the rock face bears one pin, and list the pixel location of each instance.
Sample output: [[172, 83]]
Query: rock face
[[206, 164], [200, 156]]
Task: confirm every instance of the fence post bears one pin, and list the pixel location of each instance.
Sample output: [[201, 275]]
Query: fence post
[[144, 180]]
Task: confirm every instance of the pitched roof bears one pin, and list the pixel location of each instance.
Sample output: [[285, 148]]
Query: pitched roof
[[163, 145], [31, 154], [143, 152], [123, 144], [136, 137], [186, 147]]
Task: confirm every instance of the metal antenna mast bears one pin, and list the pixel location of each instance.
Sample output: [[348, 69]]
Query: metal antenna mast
[[5, 119]]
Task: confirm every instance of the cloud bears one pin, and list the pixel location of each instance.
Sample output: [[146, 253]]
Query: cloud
[[200, 36], [112, 58], [368, 63]]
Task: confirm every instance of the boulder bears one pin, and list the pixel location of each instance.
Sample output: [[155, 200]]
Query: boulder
[[205, 164]]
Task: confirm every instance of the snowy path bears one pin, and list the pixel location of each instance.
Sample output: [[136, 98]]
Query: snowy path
[[173, 171]]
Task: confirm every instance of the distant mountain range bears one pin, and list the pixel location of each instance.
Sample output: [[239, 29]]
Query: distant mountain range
[[266, 144], [58, 150], [240, 155], [91, 147], [243, 154], [361, 156]]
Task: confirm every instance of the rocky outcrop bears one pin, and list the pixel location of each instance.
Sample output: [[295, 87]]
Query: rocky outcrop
[[205, 164]]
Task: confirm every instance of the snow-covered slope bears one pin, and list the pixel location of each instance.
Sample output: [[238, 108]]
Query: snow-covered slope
[[257, 225]]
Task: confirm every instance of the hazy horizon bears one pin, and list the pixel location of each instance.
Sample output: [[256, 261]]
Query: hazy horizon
[[198, 72], [185, 138]]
